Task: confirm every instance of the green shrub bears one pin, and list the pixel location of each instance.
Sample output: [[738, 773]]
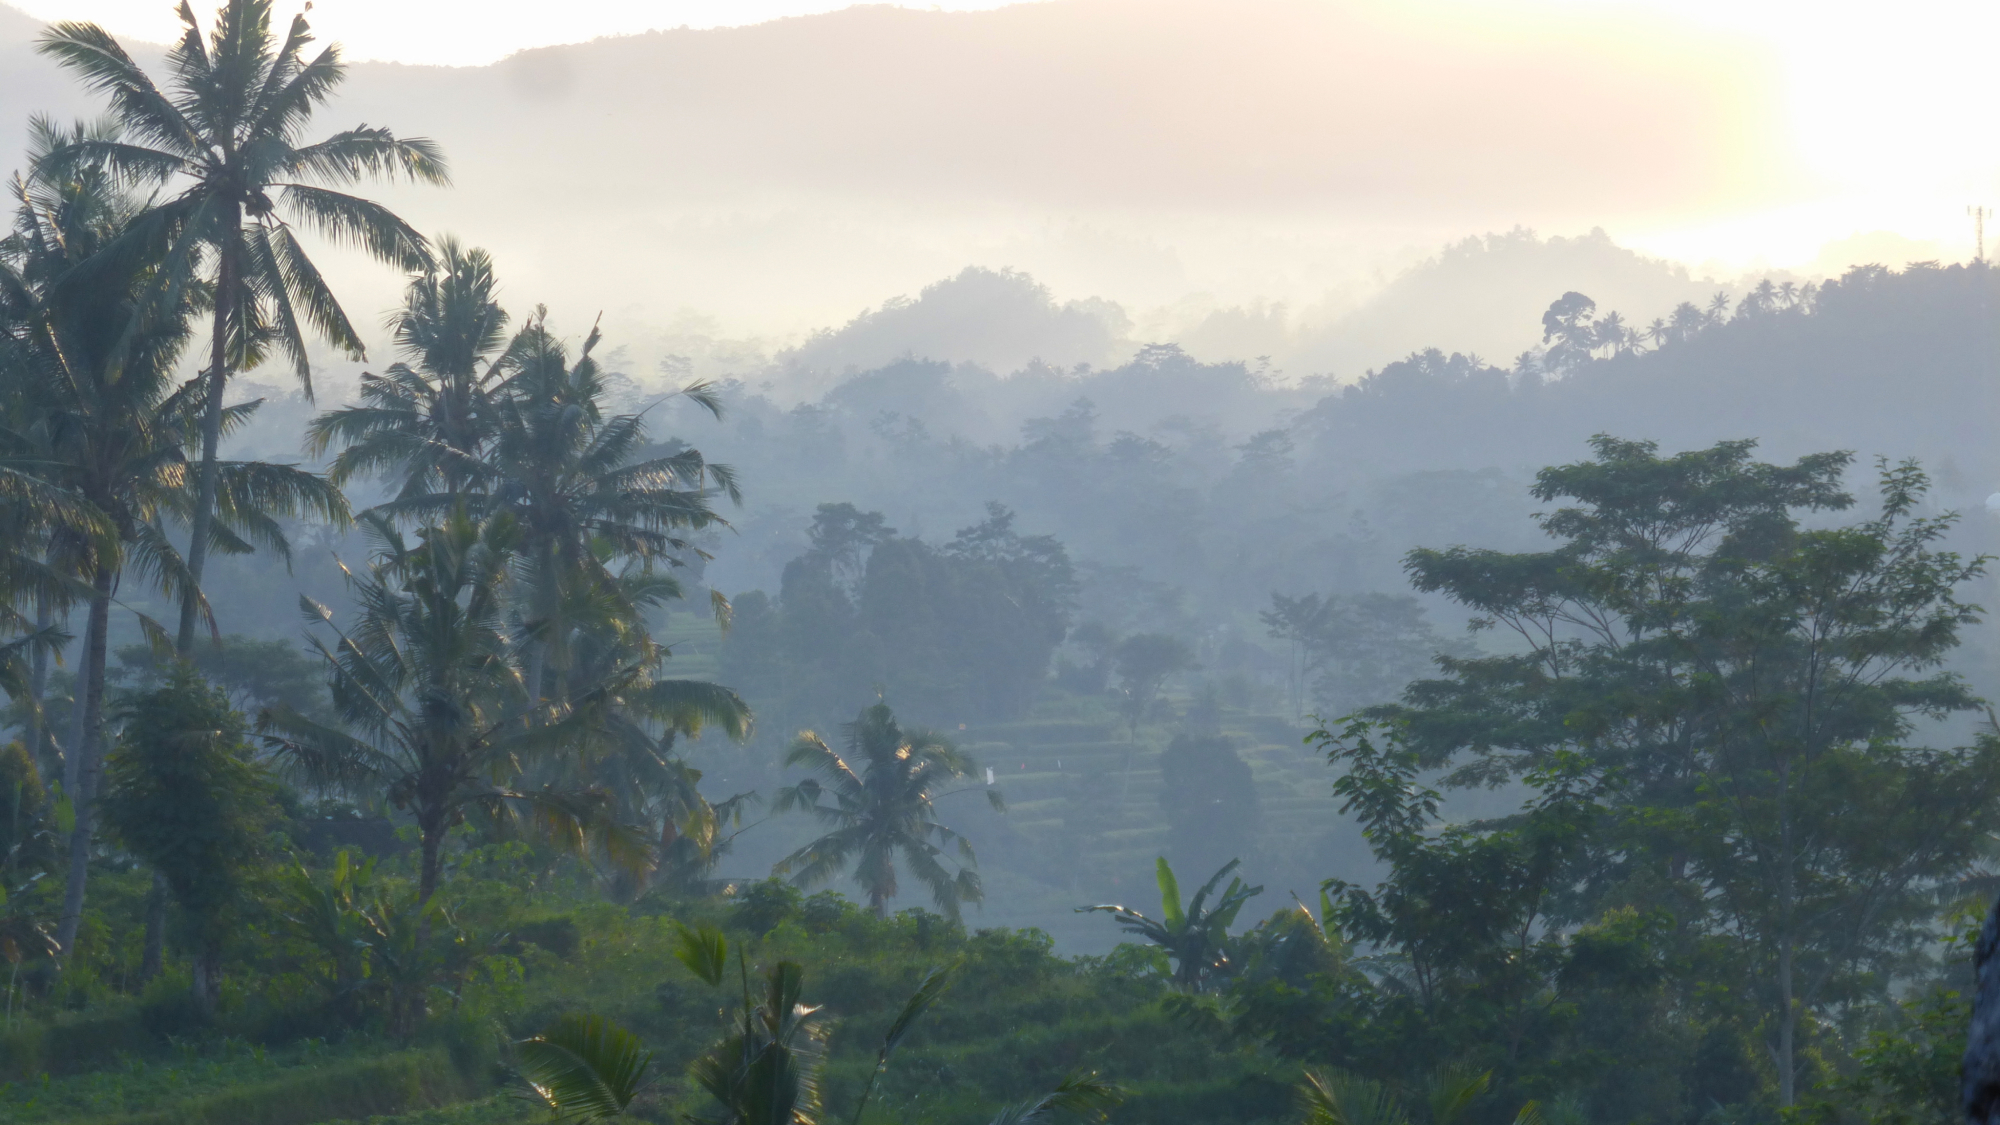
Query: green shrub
[[74, 1042]]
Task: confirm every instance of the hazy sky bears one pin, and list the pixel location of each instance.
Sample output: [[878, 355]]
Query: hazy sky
[[1285, 159], [1885, 103]]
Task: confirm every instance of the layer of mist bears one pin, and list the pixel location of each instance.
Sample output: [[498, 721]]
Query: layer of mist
[[1237, 177]]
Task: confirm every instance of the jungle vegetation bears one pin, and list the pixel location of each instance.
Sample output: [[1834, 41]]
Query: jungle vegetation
[[519, 817]]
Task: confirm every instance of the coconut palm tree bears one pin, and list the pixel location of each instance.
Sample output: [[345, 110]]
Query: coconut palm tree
[[430, 417], [33, 589], [523, 430], [881, 809], [429, 687], [584, 492], [225, 138], [1611, 333], [1717, 311], [106, 422], [643, 720]]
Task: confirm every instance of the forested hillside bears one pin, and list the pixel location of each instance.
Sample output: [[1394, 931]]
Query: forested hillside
[[1597, 735]]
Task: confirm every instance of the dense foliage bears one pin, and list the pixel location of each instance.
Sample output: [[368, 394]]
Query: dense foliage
[[1686, 830]]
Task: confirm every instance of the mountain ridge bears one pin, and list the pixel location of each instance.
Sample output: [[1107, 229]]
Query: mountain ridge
[[778, 177]]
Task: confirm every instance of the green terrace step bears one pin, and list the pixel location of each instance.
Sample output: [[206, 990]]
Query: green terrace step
[[306, 1095], [1048, 731]]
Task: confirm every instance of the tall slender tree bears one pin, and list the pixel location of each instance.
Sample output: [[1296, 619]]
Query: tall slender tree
[[107, 423], [582, 491], [430, 417], [523, 430], [226, 138], [429, 688]]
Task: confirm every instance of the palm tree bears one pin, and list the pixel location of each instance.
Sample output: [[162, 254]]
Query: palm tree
[[1611, 332], [1718, 308], [643, 720], [227, 133], [33, 591], [430, 417], [429, 686], [524, 431], [1197, 936], [883, 811], [107, 424], [1687, 321], [576, 481]]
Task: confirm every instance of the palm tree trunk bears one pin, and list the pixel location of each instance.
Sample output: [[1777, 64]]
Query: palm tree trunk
[[72, 746], [211, 439], [207, 975], [89, 760], [427, 872], [38, 689], [151, 953]]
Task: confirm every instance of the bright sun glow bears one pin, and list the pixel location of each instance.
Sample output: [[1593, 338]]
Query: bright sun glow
[[1886, 104]]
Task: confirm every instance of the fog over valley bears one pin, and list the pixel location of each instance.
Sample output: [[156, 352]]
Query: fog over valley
[[1279, 561]]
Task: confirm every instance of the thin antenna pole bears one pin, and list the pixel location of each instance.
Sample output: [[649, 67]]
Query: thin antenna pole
[[1978, 213]]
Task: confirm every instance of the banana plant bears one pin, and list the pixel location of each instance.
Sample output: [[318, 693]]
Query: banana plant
[[1197, 936], [329, 912], [766, 1072]]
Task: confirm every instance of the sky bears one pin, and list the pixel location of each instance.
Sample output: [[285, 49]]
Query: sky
[[439, 32], [1886, 109], [1285, 160]]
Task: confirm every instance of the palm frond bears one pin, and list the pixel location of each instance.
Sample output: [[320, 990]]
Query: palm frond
[[1084, 1096], [585, 1067], [349, 220]]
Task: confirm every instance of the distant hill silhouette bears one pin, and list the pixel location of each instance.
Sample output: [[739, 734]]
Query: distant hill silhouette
[[1897, 363], [1000, 320], [790, 173]]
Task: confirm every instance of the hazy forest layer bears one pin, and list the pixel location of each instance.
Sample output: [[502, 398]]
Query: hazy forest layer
[[1007, 705], [1186, 494]]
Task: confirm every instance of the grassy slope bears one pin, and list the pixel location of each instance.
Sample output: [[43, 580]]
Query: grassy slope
[[1017, 1019]]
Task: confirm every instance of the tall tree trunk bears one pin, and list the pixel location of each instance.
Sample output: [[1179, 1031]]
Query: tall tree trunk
[[427, 873], [89, 760], [1788, 1018], [38, 689], [151, 953], [72, 746], [1980, 1089], [207, 974], [211, 439], [1788, 1024]]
